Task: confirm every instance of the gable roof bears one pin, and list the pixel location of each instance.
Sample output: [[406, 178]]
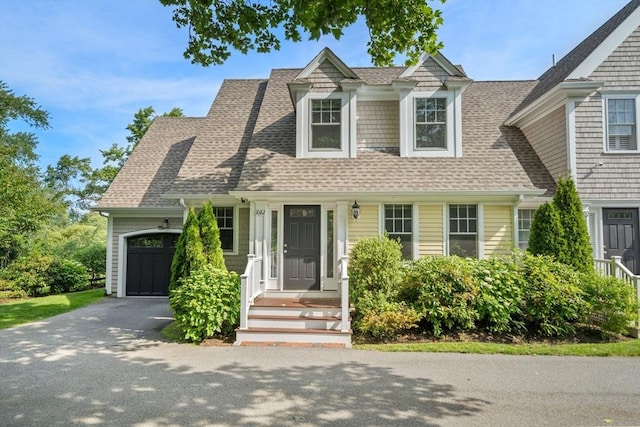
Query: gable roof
[[496, 158], [583, 59], [154, 164], [326, 54]]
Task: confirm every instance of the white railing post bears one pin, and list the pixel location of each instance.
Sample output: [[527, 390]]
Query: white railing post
[[344, 295], [246, 291], [615, 263]]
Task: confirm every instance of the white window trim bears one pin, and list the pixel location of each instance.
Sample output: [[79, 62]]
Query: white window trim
[[236, 224], [605, 120], [415, 244], [479, 227], [303, 125], [408, 123]]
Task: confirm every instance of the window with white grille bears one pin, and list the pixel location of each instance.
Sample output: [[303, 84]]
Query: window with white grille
[[621, 124]]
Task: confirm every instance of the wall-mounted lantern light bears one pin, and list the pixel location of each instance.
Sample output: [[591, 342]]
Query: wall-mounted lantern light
[[355, 210], [164, 225]]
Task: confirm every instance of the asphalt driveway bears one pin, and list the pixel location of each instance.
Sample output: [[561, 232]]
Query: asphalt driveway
[[107, 364]]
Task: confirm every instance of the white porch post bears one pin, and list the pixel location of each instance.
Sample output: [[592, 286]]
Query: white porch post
[[342, 218], [259, 245]]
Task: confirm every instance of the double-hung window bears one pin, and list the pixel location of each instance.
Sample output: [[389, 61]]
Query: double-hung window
[[621, 126], [224, 216], [463, 230], [525, 218], [398, 225], [325, 124], [430, 123]]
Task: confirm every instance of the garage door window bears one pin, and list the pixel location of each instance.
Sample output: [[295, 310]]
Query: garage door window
[[147, 242]]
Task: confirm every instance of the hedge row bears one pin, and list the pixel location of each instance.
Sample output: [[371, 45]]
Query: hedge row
[[519, 293]]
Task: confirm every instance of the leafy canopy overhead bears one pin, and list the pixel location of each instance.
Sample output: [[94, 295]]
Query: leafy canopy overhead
[[217, 26]]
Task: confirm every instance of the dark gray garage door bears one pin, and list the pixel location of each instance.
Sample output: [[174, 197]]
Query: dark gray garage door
[[149, 264]]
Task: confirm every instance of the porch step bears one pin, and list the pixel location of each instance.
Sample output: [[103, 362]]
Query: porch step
[[287, 335], [304, 320]]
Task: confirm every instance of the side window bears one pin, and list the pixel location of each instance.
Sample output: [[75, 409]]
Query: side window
[[463, 230], [325, 124], [525, 218], [398, 225], [621, 124], [224, 216]]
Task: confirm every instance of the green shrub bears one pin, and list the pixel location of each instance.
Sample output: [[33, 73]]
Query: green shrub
[[501, 289], [386, 319], [29, 273], [577, 251], [552, 300], [547, 235], [611, 301], [94, 258], [207, 302], [375, 266], [67, 275], [443, 292], [210, 235], [189, 255]]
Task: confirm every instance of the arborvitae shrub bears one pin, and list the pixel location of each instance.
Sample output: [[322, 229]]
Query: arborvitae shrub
[[577, 251], [547, 235], [189, 255], [210, 235]]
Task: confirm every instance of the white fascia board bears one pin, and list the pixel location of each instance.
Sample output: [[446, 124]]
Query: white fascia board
[[142, 212], [376, 196], [440, 59], [326, 54], [606, 48], [552, 100]]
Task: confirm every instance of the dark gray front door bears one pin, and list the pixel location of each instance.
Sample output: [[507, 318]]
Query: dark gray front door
[[149, 260], [621, 236], [301, 248]]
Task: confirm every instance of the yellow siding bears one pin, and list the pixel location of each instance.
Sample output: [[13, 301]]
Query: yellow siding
[[431, 233], [367, 224], [498, 229]]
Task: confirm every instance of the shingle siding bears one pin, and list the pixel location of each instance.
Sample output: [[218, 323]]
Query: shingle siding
[[619, 176], [548, 137], [621, 70], [238, 262], [429, 75], [378, 126], [326, 78], [498, 229], [367, 225]]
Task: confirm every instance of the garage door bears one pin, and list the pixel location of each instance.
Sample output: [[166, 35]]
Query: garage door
[[149, 264]]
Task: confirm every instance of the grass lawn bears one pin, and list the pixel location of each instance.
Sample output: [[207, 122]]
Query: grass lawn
[[624, 348], [32, 309]]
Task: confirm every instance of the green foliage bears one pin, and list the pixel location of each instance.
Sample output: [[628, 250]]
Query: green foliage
[[217, 26], [66, 276], [611, 301], [25, 205], [375, 266], [547, 234], [189, 255], [443, 292], [577, 251], [502, 289], [207, 302], [385, 319], [67, 181], [29, 273], [552, 298], [210, 235], [94, 258]]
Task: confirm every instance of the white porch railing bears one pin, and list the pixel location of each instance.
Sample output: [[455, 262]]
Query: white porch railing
[[251, 286], [615, 267], [344, 295]]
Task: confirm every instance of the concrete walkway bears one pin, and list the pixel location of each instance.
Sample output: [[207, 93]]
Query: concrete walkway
[[108, 365]]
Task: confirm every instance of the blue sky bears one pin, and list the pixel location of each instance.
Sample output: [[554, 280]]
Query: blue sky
[[93, 64]]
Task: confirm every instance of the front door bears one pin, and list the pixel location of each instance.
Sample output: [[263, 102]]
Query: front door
[[621, 236], [301, 248]]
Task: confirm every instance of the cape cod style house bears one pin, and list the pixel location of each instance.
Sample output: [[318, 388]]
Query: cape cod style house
[[301, 165]]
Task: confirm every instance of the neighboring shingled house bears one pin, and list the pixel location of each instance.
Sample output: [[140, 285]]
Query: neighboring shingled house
[[301, 165]]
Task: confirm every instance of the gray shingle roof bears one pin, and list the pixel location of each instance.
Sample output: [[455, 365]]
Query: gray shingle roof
[[216, 157], [573, 59], [495, 157], [153, 165]]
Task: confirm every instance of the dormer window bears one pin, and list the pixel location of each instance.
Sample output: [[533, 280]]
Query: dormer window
[[431, 123], [621, 119], [325, 131]]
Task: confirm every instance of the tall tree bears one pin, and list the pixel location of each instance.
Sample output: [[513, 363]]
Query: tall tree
[[547, 235], [189, 254], [68, 180], [115, 156], [25, 205], [217, 26]]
